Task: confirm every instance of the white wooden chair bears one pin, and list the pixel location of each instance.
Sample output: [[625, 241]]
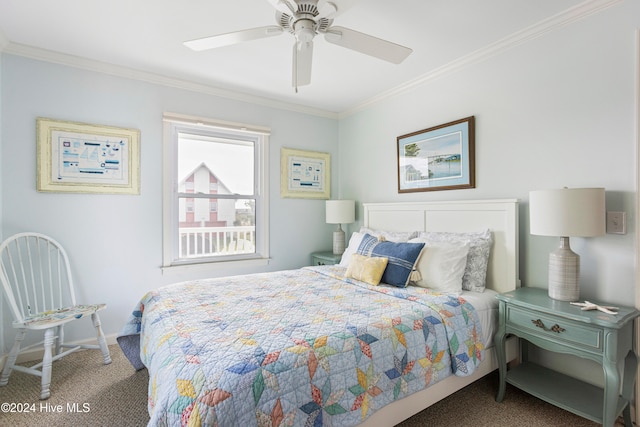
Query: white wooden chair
[[36, 278]]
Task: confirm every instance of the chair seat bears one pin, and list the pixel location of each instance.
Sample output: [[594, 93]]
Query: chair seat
[[48, 319]]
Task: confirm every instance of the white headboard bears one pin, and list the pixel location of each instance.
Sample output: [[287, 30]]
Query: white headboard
[[500, 216]]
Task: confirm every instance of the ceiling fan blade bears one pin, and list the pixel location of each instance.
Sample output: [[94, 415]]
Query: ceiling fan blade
[[302, 59], [233, 38], [331, 8], [327, 9], [284, 6], [367, 44]]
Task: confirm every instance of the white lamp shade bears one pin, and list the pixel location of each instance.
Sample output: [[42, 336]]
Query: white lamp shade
[[340, 211], [567, 212]]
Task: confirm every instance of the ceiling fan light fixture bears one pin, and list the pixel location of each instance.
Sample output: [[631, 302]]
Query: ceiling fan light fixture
[[302, 46], [304, 30]]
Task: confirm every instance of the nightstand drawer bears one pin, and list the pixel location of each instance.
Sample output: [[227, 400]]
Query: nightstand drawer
[[558, 329]]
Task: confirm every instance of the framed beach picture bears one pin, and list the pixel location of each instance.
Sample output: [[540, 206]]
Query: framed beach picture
[[305, 174], [438, 158], [85, 158]]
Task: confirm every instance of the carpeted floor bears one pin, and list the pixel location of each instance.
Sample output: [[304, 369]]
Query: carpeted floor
[[87, 393], [84, 392]]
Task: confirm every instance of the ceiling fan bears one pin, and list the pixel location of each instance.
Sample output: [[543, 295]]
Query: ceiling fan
[[305, 19]]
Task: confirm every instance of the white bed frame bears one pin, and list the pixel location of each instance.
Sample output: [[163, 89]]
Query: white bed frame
[[501, 217]]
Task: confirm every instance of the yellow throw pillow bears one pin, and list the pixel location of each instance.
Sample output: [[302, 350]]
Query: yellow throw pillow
[[366, 269]]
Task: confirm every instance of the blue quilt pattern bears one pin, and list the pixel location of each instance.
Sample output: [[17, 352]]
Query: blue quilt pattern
[[295, 348]]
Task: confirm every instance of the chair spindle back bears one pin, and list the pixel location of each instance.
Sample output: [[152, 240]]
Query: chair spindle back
[[35, 274]]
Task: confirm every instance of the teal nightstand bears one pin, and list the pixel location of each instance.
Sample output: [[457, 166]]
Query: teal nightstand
[[325, 258], [558, 326]]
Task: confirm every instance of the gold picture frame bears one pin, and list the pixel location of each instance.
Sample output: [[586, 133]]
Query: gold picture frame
[[77, 157], [305, 174]]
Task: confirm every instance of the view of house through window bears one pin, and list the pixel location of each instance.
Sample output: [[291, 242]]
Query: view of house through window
[[217, 208]]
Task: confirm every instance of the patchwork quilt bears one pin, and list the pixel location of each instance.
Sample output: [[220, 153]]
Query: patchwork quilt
[[295, 348]]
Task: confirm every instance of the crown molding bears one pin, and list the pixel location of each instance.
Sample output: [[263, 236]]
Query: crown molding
[[148, 77], [3, 41], [562, 19]]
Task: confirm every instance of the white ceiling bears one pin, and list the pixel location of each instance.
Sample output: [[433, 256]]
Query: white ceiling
[[147, 35]]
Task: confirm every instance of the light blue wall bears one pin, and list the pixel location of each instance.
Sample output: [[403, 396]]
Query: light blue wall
[[555, 111], [115, 240]]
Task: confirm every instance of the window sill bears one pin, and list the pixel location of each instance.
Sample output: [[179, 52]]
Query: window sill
[[219, 265]]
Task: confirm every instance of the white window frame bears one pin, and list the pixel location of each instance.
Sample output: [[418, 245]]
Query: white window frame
[[172, 123]]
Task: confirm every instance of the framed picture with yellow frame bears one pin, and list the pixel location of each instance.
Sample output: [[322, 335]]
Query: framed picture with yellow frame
[[77, 157], [305, 174]]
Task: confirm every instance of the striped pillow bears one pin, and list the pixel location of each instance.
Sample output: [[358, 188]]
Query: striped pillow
[[402, 258]]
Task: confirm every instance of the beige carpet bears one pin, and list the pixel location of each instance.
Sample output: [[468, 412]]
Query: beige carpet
[[88, 393]]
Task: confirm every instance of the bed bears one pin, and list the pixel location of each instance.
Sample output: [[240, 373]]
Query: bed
[[313, 347]]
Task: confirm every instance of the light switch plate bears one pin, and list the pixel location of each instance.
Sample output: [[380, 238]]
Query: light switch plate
[[616, 223]]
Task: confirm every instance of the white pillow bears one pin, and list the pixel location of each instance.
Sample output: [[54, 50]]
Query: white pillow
[[390, 236], [480, 243], [441, 265], [351, 248]]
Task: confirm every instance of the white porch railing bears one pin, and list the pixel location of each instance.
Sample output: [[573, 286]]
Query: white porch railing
[[195, 242]]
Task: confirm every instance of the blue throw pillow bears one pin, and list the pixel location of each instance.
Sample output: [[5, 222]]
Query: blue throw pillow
[[402, 257]]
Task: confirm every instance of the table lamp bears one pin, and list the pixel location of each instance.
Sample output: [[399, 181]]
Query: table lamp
[[340, 212], [567, 212]]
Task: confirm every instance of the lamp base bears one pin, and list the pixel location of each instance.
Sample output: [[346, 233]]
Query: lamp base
[[338, 241], [564, 271]]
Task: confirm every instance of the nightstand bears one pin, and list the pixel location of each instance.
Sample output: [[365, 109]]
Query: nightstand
[[558, 326], [325, 258]]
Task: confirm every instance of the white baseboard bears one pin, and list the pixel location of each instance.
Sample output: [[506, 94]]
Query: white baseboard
[[37, 353]]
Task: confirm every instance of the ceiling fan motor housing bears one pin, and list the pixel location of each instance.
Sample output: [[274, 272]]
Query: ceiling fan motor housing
[[305, 23], [308, 6]]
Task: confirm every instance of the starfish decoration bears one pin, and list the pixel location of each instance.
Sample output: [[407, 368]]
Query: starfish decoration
[[591, 306]]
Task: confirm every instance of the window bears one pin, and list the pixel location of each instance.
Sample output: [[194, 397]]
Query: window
[[215, 182]]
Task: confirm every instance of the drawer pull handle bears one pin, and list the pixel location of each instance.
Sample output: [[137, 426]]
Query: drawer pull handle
[[555, 328]]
